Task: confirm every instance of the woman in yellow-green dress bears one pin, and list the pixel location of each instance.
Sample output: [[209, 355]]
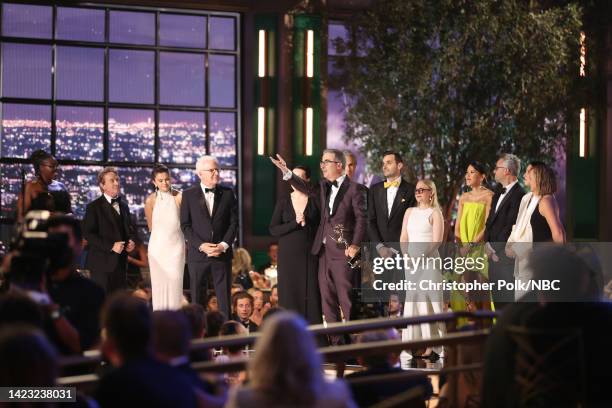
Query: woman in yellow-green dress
[[474, 207]]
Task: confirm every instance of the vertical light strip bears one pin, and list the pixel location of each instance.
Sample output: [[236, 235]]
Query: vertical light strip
[[582, 141], [261, 131], [262, 54], [309, 131], [582, 54], [309, 53]]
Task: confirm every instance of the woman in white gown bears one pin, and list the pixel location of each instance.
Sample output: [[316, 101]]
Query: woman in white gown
[[422, 232], [167, 243]]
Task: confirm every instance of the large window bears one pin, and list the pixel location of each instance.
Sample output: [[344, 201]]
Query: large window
[[100, 86]]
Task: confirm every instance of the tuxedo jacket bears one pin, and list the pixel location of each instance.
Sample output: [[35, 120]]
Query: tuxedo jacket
[[102, 227], [199, 227], [384, 227], [349, 209], [499, 224]]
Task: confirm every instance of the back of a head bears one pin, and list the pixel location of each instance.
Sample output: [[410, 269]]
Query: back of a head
[[195, 316], [287, 365], [233, 328], [372, 360], [214, 321], [127, 320], [28, 359], [171, 333], [18, 308], [578, 282]]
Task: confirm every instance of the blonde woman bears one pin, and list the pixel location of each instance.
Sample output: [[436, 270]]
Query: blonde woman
[[241, 266], [422, 232], [286, 370]]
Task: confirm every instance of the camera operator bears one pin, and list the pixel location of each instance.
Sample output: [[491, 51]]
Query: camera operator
[[35, 254], [79, 298]]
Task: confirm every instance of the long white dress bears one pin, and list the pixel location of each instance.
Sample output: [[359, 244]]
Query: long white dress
[[166, 254], [422, 302]]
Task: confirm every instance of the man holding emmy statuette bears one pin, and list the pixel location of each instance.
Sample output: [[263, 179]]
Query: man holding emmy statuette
[[341, 230]]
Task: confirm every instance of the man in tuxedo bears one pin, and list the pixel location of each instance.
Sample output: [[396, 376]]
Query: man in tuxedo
[[504, 210], [109, 232], [209, 220], [387, 203], [343, 202]]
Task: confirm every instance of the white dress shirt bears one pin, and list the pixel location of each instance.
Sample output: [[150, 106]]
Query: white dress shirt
[[502, 196], [334, 192], [115, 204], [209, 197], [391, 193]]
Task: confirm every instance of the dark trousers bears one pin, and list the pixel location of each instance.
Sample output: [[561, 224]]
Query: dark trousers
[[336, 280], [501, 271], [198, 277], [113, 280]]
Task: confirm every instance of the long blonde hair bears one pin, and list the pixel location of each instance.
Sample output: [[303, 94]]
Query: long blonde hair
[[241, 261], [287, 366], [434, 192]]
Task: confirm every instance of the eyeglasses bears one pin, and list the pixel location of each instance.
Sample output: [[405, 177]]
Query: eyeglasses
[[324, 162], [421, 190], [212, 171]]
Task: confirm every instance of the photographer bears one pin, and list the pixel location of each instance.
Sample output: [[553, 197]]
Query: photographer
[[79, 298], [35, 254]]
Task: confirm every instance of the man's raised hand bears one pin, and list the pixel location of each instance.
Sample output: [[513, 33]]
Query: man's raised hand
[[280, 163]]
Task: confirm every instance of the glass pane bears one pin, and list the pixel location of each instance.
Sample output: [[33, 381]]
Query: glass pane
[[25, 128], [10, 186], [222, 80], [182, 31], [82, 183], [80, 73], [181, 79], [128, 27], [26, 71], [228, 179], [131, 135], [337, 31], [222, 33], [182, 136], [223, 137], [80, 24], [135, 186], [80, 132], [182, 179], [25, 20], [131, 76]]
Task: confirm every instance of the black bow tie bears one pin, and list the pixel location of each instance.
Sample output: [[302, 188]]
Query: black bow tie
[[503, 190], [333, 183], [209, 190], [115, 200]]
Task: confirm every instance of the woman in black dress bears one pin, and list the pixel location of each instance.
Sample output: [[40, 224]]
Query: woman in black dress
[[44, 192], [545, 222], [294, 223]]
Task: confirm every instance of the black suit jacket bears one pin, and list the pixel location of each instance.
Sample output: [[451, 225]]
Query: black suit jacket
[[199, 227], [383, 228], [499, 224], [102, 227]]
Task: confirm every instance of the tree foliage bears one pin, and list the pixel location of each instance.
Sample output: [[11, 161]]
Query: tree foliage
[[446, 82]]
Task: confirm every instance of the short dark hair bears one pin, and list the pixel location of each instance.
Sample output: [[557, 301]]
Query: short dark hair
[[68, 221], [127, 321], [171, 333], [230, 328], [306, 170], [241, 295], [38, 157], [195, 315], [214, 321], [396, 155], [157, 169], [19, 308]]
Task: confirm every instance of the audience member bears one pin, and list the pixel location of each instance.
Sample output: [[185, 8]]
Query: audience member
[[241, 266], [576, 305], [260, 306], [214, 321], [286, 370], [195, 316], [230, 353], [274, 296], [394, 307], [368, 393], [171, 340], [80, 299], [138, 380], [243, 310], [236, 287], [212, 303]]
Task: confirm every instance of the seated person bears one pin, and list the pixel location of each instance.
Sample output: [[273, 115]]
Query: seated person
[[233, 328], [214, 321], [242, 304]]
